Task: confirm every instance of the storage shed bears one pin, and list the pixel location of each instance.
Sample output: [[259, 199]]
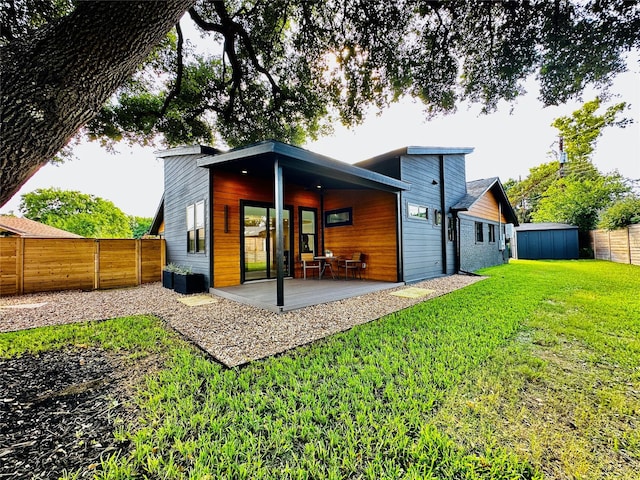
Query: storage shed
[[555, 241]]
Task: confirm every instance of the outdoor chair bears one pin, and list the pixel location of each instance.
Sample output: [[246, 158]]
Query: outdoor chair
[[309, 263], [355, 265]]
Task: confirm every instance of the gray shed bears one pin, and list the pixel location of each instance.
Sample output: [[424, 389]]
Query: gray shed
[[556, 241]]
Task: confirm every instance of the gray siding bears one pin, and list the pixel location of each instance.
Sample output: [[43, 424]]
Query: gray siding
[[474, 255], [422, 240], [456, 188], [185, 183]]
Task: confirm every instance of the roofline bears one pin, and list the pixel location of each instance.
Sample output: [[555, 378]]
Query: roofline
[[186, 150], [496, 180], [158, 218], [309, 158], [416, 150]]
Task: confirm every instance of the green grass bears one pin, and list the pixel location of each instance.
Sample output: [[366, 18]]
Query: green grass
[[534, 371]]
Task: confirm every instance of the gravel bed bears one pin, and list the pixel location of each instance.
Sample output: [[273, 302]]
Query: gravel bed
[[231, 332]]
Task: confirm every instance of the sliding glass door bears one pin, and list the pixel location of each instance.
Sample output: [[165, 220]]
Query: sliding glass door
[[259, 260]]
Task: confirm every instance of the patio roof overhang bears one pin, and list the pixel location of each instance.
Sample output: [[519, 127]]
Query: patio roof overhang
[[302, 167]]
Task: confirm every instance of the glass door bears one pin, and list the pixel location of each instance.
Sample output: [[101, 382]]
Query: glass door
[[259, 242]]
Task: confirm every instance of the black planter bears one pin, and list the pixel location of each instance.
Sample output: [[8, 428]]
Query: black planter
[[188, 283], [167, 279]]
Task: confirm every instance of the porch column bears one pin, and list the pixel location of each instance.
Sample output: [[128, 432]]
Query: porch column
[[279, 205]]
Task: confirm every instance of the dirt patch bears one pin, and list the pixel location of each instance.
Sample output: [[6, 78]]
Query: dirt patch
[[58, 411]]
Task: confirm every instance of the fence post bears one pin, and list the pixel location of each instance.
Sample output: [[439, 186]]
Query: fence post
[[20, 265], [139, 261], [96, 264]]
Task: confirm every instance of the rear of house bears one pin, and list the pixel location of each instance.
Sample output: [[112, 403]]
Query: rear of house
[[234, 216]]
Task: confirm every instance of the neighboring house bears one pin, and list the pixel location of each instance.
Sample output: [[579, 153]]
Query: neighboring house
[[556, 241], [232, 215], [484, 213], [23, 227]]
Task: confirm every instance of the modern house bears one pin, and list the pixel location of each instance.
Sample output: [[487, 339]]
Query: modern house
[[249, 213]]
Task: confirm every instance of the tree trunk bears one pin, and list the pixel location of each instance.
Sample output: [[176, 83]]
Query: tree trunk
[[56, 79]]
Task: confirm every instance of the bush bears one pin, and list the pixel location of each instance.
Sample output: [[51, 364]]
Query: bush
[[621, 214]]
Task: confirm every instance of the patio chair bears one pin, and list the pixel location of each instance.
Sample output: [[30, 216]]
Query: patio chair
[[309, 263], [354, 265]]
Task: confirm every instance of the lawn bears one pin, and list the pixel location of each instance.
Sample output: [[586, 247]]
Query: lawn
[[532, 373]]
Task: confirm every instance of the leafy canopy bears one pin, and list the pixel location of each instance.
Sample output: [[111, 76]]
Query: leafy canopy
[[287, 69], [622, 213], [575, 192], [76, 212]]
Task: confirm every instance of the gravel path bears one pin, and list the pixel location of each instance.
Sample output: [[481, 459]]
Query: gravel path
[[231, 332]]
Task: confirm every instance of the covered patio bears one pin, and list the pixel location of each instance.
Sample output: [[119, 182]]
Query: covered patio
[[300, 293]]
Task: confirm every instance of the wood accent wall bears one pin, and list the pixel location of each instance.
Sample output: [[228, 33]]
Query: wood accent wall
[[487, 207], [228, 189], [373, 231], [29, 265]]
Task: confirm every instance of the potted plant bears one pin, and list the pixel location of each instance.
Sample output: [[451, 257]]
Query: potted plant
[[167, 275], [187, 282]]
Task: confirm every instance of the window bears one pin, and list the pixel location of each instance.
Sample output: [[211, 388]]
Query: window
[[437, 217], [196, 236], [479, 233], [492, 233], [417, 211], [336, 218], [308, 230], [451, 229]]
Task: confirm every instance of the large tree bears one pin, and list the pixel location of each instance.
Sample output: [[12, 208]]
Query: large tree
[[81, 213], [285, 68], [573, 191]]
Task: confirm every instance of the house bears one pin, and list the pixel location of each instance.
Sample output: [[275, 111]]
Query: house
[[247, 214], [484, 213], [547, 240], [11, 226]]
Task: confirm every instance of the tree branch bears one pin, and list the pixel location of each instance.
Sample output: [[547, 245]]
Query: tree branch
[[179, 71]]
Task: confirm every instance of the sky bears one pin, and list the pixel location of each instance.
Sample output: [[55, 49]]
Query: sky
[[507, 144]]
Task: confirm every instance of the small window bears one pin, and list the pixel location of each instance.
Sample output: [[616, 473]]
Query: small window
[[479, 233], [196, 236], [437, 217], [492, 233], [417, 211], [336, 218], [451, 229]]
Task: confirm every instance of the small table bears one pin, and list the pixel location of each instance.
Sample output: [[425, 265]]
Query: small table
[[324, 262]]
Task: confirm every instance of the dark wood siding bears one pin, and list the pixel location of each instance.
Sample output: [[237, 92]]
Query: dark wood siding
[[185, 184]]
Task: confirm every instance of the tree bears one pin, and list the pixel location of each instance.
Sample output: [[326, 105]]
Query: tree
[[575, 192], [581, 130], [620, 214], [139, 225], [286, 68], [578, 201], [76, 212]]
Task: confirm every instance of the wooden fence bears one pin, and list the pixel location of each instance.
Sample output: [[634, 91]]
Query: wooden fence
[[620, 246], [29, 265]]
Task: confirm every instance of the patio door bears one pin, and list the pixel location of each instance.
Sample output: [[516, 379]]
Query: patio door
[[259, 260]]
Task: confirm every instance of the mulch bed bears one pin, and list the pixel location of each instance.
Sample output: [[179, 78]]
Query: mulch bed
[[57, 412]]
